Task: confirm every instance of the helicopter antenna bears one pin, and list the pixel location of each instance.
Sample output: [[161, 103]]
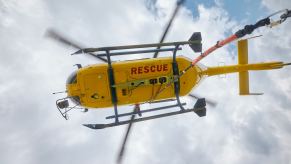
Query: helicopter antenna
[[54, 93]]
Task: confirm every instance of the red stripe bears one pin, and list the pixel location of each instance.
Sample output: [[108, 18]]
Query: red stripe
[[213, 48]]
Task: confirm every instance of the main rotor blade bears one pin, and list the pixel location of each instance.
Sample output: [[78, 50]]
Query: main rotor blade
[[209, 102], [62, 39], [178, 5], [123, 146]]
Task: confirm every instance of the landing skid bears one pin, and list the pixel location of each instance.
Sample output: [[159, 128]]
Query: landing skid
[[199, 108], [144, 111]]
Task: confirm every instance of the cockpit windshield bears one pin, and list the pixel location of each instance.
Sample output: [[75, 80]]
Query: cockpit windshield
[[72, 79]]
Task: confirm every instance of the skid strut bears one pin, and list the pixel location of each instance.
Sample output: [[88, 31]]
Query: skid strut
[[102, 126], [199, 109], [145, 111]]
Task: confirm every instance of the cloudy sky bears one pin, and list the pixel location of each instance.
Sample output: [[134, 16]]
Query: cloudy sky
[[252, 129]]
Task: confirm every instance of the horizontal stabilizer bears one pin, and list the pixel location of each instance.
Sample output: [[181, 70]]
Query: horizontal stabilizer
[[244, 75], [244, 83], [242, 47]]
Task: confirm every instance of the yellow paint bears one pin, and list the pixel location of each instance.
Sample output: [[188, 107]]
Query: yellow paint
[[243, 76], [132, 79], [242, 51], [242, 68], [92, 85], [212, 71]]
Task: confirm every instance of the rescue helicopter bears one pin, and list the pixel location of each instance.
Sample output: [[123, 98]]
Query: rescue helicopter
[[154, 80]]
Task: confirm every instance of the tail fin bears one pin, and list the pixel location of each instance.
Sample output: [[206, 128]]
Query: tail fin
[[244, 75]]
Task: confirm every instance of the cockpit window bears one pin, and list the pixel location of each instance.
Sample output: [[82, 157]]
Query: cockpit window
[[72, 79], [76, 100]]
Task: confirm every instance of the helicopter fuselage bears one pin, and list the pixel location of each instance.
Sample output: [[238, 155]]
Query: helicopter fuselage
[[136, 81]]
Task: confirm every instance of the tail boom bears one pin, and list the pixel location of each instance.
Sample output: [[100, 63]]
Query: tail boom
[[212, 71], [243, 67]]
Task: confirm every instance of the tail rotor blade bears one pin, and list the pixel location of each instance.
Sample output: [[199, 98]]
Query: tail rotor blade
[[179, 3], [209, 102], [62, 39]]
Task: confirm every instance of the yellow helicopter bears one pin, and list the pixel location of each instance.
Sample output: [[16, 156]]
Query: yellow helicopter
[[154, 80]]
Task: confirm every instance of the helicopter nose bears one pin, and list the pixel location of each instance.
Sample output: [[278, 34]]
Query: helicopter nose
[[73, 89], [73, 92]]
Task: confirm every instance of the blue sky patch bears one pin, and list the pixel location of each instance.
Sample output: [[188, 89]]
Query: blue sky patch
[[248, 10]]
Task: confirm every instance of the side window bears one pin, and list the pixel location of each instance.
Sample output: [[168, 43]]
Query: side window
[[72, 79], [162, 80], [153, 81]]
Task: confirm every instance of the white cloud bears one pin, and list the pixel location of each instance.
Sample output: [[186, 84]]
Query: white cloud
[[275, 5], [238, 130]]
